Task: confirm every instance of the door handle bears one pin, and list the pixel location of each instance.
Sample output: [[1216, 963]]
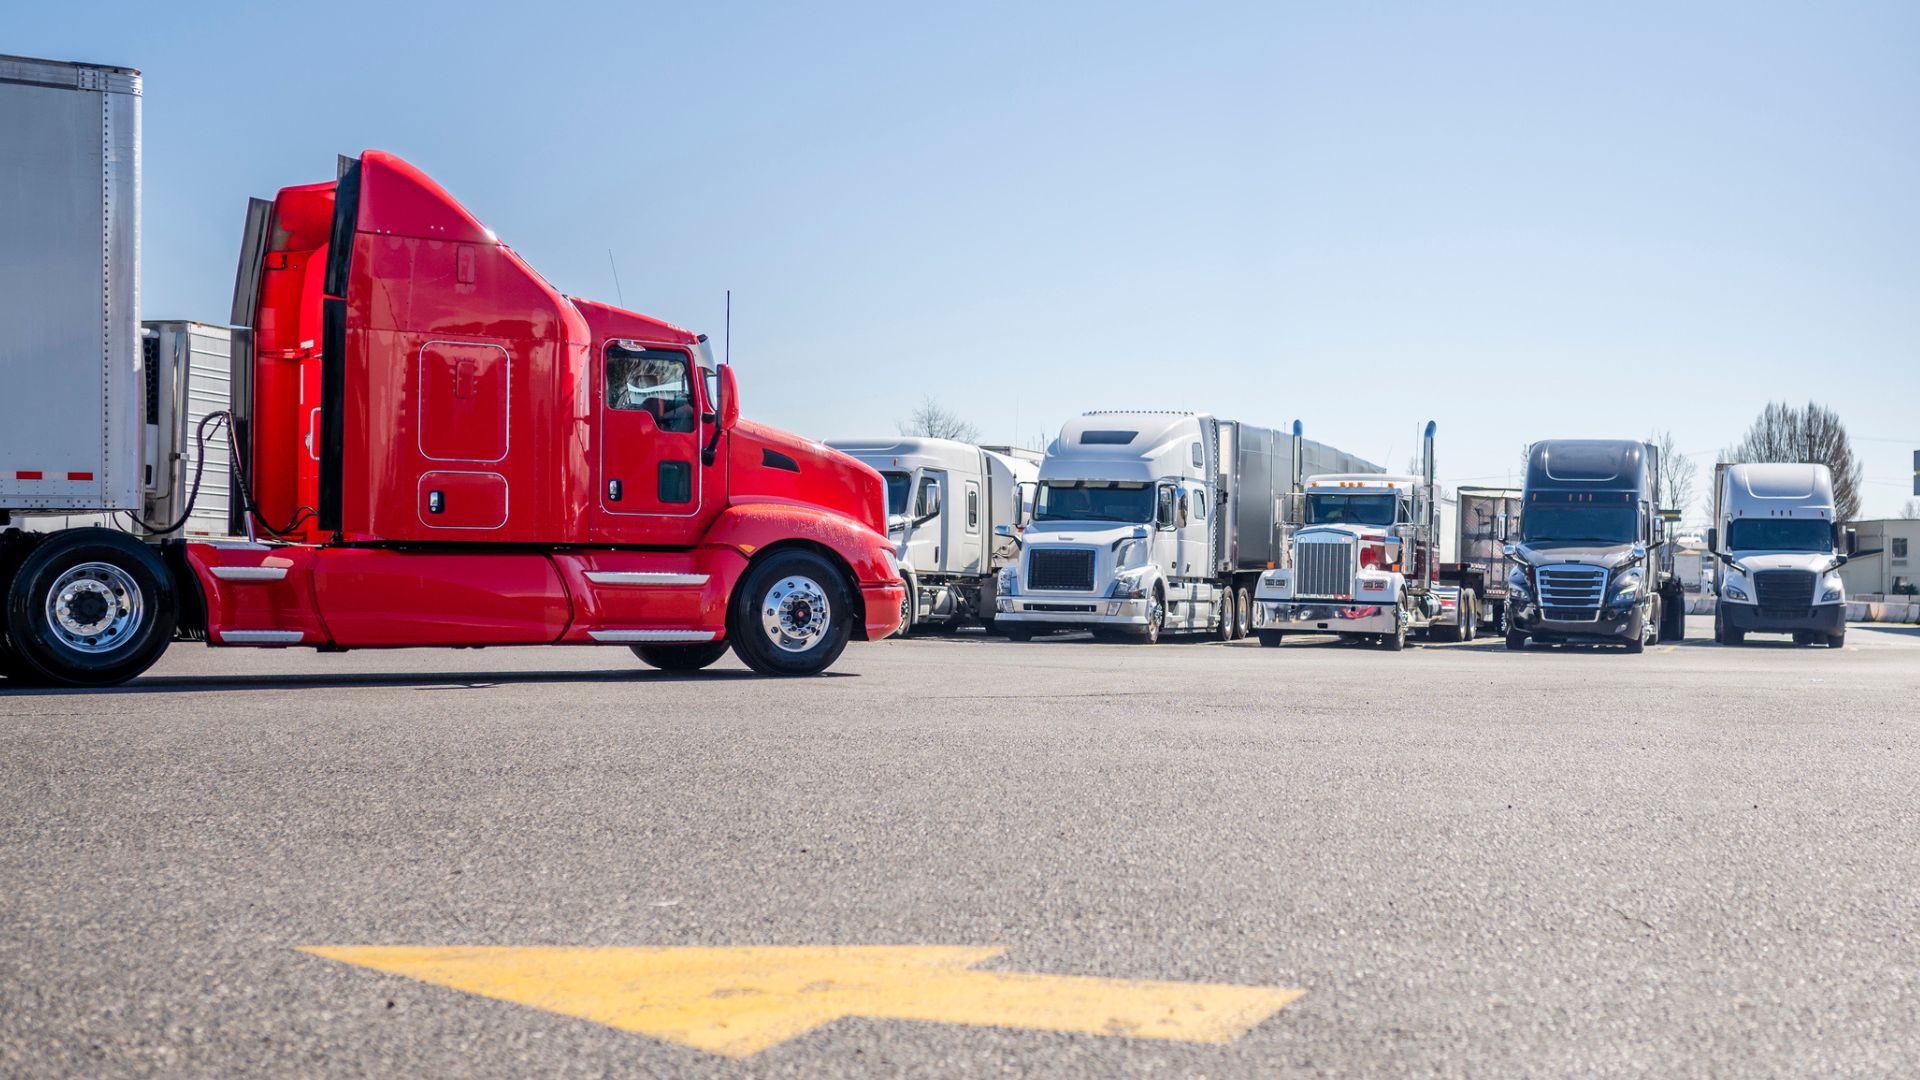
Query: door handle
[[613, 491]]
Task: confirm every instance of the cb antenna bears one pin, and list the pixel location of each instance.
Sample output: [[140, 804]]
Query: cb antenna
[[726, 345], [616, 279]]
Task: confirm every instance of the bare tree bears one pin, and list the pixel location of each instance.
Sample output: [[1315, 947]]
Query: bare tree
[[1677, 474], [1813, 434], [1910, 509], [935, 422]]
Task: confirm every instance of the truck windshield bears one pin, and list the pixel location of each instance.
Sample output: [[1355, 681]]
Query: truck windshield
[[899, 486], [1578, 524], [1101, 501], [1779, 534], [1342, 509]]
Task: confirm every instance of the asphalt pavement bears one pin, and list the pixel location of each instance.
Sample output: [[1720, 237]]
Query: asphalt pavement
[[1698, 861]]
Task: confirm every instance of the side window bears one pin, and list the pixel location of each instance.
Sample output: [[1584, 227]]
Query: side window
[[1199, 457], [1199, 506], [973, 507], [654, 381]]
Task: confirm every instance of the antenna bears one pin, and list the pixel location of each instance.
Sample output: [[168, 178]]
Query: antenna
[[727, 343], [616, 279]]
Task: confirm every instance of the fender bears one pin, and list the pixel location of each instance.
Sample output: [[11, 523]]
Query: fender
[[747, 527]]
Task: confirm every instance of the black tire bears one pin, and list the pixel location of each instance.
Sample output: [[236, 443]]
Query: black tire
[[1245, 604], [1469, 616], [1014, 631], [112, 582], [1806, 637], [1516, 639], [1837, 641], [1269, 639], [682, 657], [1395, 641], [1156, 620], [1657, 616], [1229, 616], [784, 588], [1673, 617], [909, 604]]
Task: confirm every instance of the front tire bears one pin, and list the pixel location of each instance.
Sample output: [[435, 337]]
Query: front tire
[[1516, 639], [682, 657], [1156, 619], [791, 615], [89, 607], [1269, 639], [1837, 641], [1396, 641]]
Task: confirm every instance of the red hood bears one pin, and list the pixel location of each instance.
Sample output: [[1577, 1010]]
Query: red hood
[[770, 465]]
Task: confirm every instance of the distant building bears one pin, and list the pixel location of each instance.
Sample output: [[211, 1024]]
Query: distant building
[[1895, 569]]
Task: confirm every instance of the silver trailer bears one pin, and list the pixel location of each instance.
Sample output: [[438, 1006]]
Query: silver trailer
[[69, 288]]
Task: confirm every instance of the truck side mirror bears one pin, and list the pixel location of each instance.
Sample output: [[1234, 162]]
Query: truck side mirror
[[729, 398], [1713, 540], [1850, 542], [929, 507]]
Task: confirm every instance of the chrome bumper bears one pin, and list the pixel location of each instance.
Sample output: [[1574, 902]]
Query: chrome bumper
[[1078, 610], [1326, 617]]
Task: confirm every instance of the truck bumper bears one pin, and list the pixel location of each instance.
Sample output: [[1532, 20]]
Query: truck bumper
[[1326, 617], [1071, 611], [883, 608], [1611, 628], [1821, 619]]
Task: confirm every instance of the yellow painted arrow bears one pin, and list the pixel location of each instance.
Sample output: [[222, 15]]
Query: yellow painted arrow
[[739, 1001]]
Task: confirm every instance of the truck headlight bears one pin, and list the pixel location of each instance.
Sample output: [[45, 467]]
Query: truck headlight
[[1517, 584], [1835, 589], [893, 562], [1129, 586], [1009, 580], [1626, 585], [1734, 592]]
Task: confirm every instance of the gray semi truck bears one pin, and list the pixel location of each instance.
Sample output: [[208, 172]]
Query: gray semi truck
[[1592, 562]]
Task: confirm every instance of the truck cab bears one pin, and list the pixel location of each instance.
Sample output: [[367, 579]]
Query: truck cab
[[948, 505], [1592, 564], [1779, 551]]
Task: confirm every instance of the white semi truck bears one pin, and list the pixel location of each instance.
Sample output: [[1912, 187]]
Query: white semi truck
[[1779, 550], [1148, 522], [946, 504], [1366, 561]]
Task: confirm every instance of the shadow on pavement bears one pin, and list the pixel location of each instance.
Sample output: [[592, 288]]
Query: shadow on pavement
[[445, 680]]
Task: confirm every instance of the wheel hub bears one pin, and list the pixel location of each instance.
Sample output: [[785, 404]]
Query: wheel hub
[[94, 607], [796, 614]]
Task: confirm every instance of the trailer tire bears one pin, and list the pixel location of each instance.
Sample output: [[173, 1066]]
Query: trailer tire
[[682, 657], [1245, 603], [89, 607], [1469, 615], [775, 621]]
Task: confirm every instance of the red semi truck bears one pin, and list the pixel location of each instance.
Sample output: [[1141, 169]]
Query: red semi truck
[[435, 447]]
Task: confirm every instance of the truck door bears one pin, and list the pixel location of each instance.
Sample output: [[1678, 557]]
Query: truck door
[[652, 487], [927, 521]]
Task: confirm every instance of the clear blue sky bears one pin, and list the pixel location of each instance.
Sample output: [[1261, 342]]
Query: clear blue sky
[[1523, 220]]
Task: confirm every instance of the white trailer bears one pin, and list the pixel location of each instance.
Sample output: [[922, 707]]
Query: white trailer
[[947, 503], [1146, 522], [1780, 551]]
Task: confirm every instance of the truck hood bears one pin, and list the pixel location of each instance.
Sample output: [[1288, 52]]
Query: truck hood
[[1816, 561], [1609, 556], [770, 464], [1079, 533]]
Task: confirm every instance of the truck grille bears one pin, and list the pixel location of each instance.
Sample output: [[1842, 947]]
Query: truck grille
[[1064, 570], [1572, 593], [1784, 592], [1323, 569]]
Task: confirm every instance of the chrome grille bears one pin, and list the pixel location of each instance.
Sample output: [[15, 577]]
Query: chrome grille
[[1323, 569], [1784, 592], [1571, 592], [1060, 569]]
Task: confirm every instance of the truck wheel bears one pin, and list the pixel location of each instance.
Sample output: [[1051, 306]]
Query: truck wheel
[[1014, 631], [1269, 639], [909, 604], [1245, 604], [792, 615], [90, 607], [681, 657], [1837, 641], [1156, 619], [1516, 639], [1656, 618], [1229, 616], [1469, 615], [1395, 641], [1673, 617], [1805, 637]]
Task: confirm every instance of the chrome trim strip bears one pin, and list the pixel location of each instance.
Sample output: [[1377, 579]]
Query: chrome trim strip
[[262, 637], [621, 636], [643, 577], [250, 573]]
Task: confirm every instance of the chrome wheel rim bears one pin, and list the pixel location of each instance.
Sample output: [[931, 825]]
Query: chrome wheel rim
[[94, 608], [796, 614]]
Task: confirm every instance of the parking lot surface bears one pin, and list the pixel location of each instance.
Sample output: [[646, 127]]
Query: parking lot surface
[[1465, 861]]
